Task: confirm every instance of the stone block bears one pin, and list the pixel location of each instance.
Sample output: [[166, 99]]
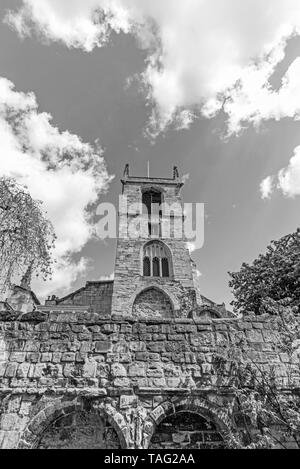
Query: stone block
[[137, 346], [89, 369], [141, 356], [56, 357], [154, 371], [2, 369], [46, 357], [85, 347], [10, 370], [121, 382], [125, 357], [33, 357], [128, 402], [137, 369], [68, 357], [8, 421], [22, 370], [156, 347], [118, 370], [103, 346], [254, 335]]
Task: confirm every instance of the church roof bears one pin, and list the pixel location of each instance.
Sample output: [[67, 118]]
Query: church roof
[[96, 295]]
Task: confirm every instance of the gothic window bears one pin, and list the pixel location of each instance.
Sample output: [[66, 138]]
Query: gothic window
[[157, 260], [152, 207], [151, 201], [156, 269], [146, 267], [165, 267]]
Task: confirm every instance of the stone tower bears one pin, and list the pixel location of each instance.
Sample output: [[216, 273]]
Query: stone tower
[[153, 268]]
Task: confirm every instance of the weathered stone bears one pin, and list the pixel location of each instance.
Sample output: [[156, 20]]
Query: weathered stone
[[68, 357], [103, 346], [128, 402], [33, 357], [121, 382], [141, 356], [118, 370], [11, 370], [89, 369], [137, 370]]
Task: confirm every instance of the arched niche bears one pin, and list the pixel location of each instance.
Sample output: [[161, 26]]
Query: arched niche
[[186, 430], [79, 430], [152, 302], [59, 419]]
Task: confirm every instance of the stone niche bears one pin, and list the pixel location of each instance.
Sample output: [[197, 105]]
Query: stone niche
[[79, 430], [186, 430], [152, 303]]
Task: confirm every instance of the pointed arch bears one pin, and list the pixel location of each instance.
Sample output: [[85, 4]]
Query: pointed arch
[[47, 416], [196, 405], [158, 256], [165, 291]]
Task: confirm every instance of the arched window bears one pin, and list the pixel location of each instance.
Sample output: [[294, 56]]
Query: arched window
[[157, 260], [146, 267], [165, 267], [156, 269], [152, 200]]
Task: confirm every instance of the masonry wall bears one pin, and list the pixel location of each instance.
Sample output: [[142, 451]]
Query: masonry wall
[[132, 374], [96, 295]]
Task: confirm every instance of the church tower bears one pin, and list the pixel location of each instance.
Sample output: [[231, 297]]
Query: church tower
[[153, 268]]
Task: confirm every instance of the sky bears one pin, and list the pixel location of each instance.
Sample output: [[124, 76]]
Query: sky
[[213, 87]]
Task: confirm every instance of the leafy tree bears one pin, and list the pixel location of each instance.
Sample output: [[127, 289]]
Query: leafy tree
[[267, 396], [26, 236], [274, 275]]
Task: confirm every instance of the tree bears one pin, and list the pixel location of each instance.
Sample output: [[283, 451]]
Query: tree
[[274, 275], [267, 397], [26, 236]]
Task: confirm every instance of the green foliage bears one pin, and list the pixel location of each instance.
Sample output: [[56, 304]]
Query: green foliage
[[274, 275], [26, 236]]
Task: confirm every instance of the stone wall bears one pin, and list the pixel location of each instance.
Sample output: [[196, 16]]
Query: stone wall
[[96, 295], [132, 374]]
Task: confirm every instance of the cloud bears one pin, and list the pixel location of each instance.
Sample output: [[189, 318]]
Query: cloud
[[203, 55], [191, 246], [107, 277], [287, 180], [266, 187], [58, 169], [253, 100]]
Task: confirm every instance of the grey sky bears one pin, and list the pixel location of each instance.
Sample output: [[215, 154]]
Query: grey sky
[[86, 93]]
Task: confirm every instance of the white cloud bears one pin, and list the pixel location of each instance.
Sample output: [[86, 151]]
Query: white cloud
[[266, 187], [59, 169], [197, 51], [254, 100], [190, 246], [287, 180], [198, 273], [107, 277]]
